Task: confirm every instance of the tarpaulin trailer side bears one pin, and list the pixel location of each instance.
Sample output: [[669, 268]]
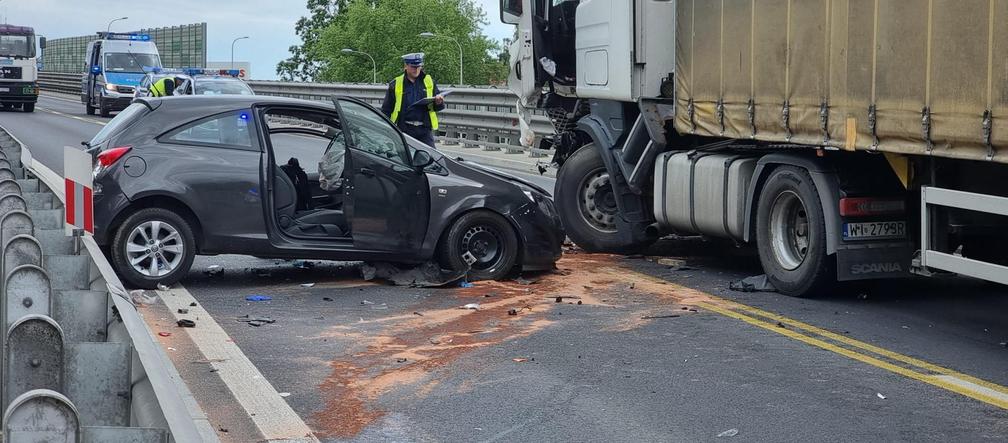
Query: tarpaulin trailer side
[[917, 77]]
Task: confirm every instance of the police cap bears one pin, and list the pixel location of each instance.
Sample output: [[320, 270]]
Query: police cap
[[414, 59]]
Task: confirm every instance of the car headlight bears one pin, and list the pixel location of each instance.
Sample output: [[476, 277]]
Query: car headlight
[[111, 87]]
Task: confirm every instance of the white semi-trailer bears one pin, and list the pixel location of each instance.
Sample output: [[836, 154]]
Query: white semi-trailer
[[845, 139]]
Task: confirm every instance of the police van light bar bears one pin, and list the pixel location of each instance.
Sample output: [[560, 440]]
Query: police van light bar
[[130, 37], [202, 71]]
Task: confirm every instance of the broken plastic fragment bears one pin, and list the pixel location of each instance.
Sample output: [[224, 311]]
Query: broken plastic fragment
[[549, 66], [140, 297], [186, 323], [519, 360], [879, 394], [258, 298], [164, 334], [471, 306], [466, 285], [214, 269], [308, 285], [729, 433], [285, 394], [163, 287]]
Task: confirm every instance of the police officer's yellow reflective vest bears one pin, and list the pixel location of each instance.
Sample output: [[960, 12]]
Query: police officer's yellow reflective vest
[[429, 84], [160, 88]]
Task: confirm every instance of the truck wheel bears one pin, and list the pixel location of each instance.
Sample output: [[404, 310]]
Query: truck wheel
[[153, 246], [29, 107], [490, 239], [587, 203], [791, 234]]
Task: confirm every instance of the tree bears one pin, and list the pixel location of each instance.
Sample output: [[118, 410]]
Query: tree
[[303, 64], [387, 29]]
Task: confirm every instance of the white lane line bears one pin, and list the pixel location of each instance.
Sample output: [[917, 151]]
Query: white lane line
[[275, 419], [96, 122]]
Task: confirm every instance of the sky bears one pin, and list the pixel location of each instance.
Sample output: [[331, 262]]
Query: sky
[[269, 23]]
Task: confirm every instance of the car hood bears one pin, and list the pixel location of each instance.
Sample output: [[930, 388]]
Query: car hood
[[499, 174]]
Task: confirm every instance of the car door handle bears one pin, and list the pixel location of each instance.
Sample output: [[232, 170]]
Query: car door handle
[[367, 171]]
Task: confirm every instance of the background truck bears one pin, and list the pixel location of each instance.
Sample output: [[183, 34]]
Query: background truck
[[18, 67], [845, 139], [115, 66]]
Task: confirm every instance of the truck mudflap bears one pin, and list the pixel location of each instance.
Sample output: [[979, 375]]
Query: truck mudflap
[[874, 261]]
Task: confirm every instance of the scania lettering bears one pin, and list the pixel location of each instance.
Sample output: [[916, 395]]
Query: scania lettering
[[815, 131], [115, 66], [18, 67]]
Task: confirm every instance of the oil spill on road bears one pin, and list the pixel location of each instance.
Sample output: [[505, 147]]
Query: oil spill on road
[[402, 351]]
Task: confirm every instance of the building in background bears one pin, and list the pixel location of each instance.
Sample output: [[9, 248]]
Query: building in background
[[180, 47], [244, 68]]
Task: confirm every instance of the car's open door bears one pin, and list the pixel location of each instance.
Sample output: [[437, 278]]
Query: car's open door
[[544, 46], [387, 200]]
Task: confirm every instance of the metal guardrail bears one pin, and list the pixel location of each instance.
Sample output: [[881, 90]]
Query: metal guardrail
[[78, 362], [474, 117]]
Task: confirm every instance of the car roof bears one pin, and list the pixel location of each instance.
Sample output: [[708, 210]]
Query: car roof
[[194, 102]]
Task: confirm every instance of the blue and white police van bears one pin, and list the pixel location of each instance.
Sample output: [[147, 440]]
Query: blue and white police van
[[116, 64]]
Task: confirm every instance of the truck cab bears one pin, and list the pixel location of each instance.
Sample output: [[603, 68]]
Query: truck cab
[[18, 67], [115, 66]]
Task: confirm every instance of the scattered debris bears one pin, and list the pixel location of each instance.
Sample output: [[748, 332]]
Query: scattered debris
[[491, 294], [140, 297], [579, 302], [366, 302], [302, 264], [879, 394], [327, 299], [193, 304], [525, 281], [632, 285], [512, 311], [183, 311], [164, 334], [401, 360], [781, 325], [519, 360], [307, 285], [443, 339], [559, 299], [862, 296], [466, 285], [256, 321], [671, 262], [285, 394], [222, 429], [905, 327], [729, 433], [654, 317], [214, 370], [163, 287], [258, 298], [758, 283], [214, 270], [417, 314], [186, 323], [427, 275], [471, 306]]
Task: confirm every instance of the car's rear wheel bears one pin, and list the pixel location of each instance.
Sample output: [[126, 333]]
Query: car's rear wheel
[[153, 246], [482, 236]]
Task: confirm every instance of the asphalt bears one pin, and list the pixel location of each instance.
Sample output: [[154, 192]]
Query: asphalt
[[371, 362]]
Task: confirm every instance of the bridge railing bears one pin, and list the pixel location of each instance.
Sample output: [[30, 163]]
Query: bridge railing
[[475, 117], [78, 363]]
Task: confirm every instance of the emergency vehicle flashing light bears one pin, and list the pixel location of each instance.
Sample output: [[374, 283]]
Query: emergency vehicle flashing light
[[130, 37]]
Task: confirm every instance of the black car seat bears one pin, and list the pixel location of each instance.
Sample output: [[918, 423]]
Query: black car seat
[[317, 222], [299, 178]]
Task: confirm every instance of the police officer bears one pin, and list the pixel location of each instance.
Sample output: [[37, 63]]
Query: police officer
[[414, 85], [163, 88]]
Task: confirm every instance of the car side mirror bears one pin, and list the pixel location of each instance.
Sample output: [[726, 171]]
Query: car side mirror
[[422, 159]]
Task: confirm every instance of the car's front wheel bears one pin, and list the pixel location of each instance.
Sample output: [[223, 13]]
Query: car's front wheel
[[153, 246], [485, 239]]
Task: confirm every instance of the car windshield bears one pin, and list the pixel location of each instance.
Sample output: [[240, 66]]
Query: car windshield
[[17, 46], [219, 87], [127, 62]]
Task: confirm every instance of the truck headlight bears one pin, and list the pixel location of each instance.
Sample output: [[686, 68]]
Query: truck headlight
[[111, 87]]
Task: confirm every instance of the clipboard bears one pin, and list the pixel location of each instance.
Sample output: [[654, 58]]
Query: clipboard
[[428, 101]]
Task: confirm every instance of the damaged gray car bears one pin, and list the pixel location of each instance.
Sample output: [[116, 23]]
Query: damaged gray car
[[282, 178]]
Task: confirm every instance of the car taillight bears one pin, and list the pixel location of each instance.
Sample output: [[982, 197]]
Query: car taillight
[[865, 207], [108, 157]]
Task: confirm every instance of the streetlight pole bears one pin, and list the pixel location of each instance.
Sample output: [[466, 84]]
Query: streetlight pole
[[374, 66], [433, 35], [109, 29], [232, 49]]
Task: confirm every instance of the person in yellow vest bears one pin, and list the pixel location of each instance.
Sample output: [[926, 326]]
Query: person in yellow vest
[[409, 89], [164, 87]]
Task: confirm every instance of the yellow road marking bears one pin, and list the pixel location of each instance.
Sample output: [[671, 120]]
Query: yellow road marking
[[986, 392]]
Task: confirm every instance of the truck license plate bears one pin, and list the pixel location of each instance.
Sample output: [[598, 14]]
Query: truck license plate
[[874, 230]]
